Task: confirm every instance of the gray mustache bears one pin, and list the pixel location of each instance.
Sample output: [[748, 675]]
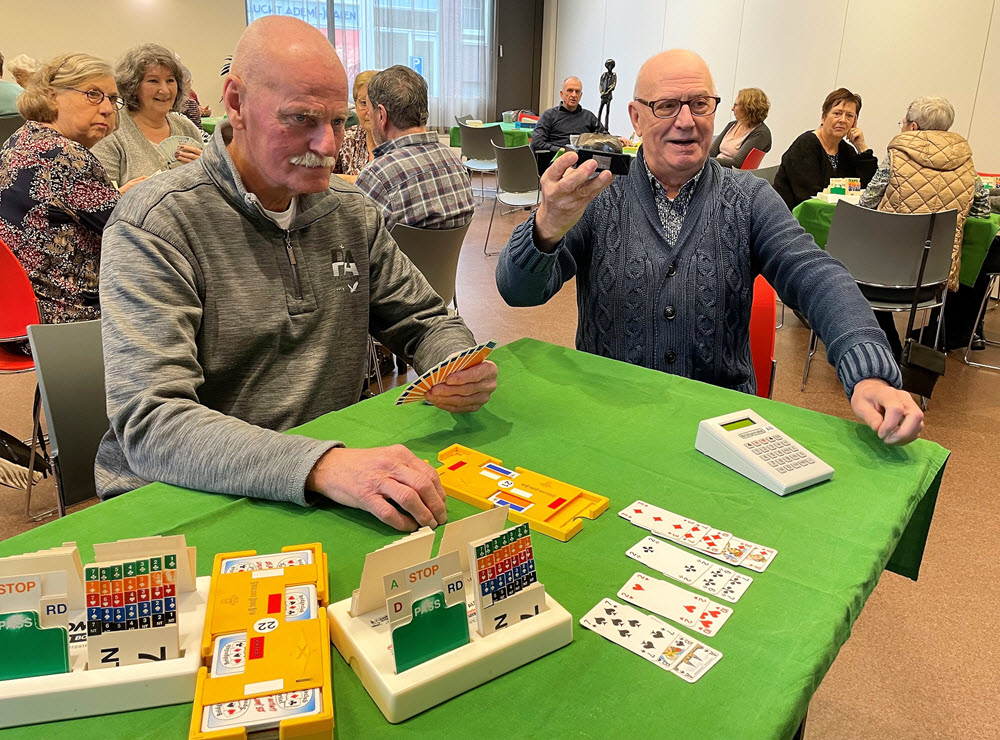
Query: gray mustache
[[312, 160]]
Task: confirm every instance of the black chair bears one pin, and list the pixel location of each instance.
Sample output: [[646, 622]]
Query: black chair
[[8, 125]]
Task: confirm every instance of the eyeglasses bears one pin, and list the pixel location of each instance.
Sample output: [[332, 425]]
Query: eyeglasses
[[96, 97], [703, 105]]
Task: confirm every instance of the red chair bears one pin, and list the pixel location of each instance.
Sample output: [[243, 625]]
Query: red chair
[[524, 117], [753, 159], [18, 309], [762, 315]]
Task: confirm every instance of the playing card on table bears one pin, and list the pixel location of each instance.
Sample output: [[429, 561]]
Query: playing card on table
[[669, 652], [735, 587], [735, 551], [759, 558], [646, 515], [714, 541], [261, 713], [678, 564], [676, 604], [696, 662], [712, 580], [674, 527], [619, 623]]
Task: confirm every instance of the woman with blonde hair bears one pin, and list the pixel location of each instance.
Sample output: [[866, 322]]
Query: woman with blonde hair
[[746, 132], [55, 197], [356, 151], [22, 67], [151, 80]]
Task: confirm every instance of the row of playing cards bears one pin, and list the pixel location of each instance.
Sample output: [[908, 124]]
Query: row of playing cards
[[263, 713], [650, 638], [688, 568], [673, 602], [715, 543], [415, 391]]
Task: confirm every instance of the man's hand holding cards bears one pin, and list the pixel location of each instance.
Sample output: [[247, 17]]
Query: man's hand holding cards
[[461, 383]]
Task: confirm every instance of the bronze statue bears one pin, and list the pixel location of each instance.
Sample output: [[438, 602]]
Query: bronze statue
[[608, 81]]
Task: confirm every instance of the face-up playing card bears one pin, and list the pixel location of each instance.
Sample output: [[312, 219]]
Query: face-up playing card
[[714, 541], [682, 566], [714, 579], [759, 558], [650, 638], [695, 663], [267, 562], [735, 551], [646, 515], [676, 604], [735, 587], [693, 536]]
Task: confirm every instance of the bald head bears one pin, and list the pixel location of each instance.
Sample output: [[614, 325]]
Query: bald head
[[274, 47], [673, 66]]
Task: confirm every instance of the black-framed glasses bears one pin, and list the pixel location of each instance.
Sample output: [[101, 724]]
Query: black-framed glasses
[[96, 97], [702, 105]]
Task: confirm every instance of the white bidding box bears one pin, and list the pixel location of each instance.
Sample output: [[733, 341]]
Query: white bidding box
[[84, 693], [400, 696]]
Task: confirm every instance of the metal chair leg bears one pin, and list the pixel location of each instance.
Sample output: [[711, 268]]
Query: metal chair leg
[[489, 228], [36, 427], [994, 280], [373, 362], [812, 350], [781, 321]]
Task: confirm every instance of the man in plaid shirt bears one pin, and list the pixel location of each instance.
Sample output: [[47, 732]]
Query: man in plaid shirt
[[413, 178]]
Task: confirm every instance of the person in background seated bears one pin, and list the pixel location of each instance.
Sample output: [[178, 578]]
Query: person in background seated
[[748, 130], [414, 179], [929, 168], [665, 257], [358, 147], [836, 149], [225, 322], [8, 94], [55, 197], [151, 81], [190, 108], [21, 68]]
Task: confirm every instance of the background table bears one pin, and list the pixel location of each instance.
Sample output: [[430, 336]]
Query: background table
[[627, 433], [512, 136], [816, 215], [210, 122]]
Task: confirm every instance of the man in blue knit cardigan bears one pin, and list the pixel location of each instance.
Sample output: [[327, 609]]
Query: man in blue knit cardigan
[[665, 257]]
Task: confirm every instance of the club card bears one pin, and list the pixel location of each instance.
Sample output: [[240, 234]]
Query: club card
[[712, 580], [262, 713], [678, 564], [695, 663], [267, 562], [676, 604], [735, 587]]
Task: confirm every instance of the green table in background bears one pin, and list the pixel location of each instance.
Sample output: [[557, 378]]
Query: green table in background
[[210, 123], [816, 215], [512, 136], [627, 433]]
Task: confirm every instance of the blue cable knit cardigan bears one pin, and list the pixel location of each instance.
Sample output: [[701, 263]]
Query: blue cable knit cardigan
[[686, 310]]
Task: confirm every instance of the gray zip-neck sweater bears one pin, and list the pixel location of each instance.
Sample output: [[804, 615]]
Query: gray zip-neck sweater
[[220, 329], [684, 308]]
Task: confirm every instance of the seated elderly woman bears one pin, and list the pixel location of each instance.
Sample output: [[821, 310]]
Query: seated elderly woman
[[21, 68], [929, 168], [356, 151], [815, 157], [748, 131], [151, 81], [55, 197]]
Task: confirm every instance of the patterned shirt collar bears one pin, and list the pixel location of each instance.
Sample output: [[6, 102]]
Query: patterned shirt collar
[[424, 137], [672, 212]]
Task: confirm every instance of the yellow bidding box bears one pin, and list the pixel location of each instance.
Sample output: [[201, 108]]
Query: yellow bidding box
[[549, 506], [279, 652]]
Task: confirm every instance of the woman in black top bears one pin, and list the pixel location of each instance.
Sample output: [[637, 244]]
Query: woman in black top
[[817, 156]]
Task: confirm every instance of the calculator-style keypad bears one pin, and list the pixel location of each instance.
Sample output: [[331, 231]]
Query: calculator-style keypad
[[779, 453]]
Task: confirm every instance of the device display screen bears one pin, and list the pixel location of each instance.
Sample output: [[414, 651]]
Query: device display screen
[[738, 424]]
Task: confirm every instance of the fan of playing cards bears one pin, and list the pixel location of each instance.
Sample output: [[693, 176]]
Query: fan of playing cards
[[473, 356]]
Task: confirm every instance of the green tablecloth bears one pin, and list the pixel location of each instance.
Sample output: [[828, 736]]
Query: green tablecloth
[[512, 136], [210, 123], [816, 215], [627, 433]]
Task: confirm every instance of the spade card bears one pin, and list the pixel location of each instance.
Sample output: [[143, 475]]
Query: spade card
[[676, 604], [619, 623], [677, 564]]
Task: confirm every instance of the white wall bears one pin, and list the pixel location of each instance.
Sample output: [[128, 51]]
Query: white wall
[[201, 32], [888, 51]]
